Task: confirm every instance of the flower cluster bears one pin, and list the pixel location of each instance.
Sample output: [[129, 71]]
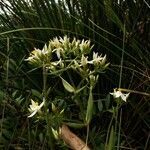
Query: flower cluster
[[64, 53], [65, 47], [89, 67], [39, 57], [65, 50]]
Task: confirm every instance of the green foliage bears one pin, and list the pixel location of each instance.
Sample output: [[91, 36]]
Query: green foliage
[[109, 26], [89, 111], [111, 142]]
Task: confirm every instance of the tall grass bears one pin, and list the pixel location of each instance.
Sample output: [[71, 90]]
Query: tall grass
[[119, 30]]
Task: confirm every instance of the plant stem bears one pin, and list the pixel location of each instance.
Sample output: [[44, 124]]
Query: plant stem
[[50, 136], [44, 81]]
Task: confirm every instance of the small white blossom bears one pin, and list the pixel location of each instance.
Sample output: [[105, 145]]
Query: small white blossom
[[55, 133], [117, 94], [84, 45], [84, 60], [93, 79], [55, 43], [46, 51], [96, 58], [35, 107], [34, 54]]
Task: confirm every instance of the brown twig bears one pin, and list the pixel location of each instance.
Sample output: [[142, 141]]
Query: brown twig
[[72, 140]]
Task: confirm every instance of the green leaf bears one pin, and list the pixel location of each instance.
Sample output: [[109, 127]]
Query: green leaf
[[2, 94], [79, 90], [67, 86], [36, 93], [111, 143], [41, 138], [107, 101], [111, 14], [100, 105], [75, 125], [89, 112]]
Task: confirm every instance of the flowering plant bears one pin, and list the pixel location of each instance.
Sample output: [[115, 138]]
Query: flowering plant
[[58, 57]]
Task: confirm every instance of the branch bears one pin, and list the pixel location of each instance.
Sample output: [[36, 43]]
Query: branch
[[72, 140]]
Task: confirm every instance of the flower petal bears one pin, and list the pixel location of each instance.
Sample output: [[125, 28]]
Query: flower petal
[[32, 114], [41, 105], [124, 97]]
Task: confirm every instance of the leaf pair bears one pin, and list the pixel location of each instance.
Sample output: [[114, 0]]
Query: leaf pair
[[90, 103]]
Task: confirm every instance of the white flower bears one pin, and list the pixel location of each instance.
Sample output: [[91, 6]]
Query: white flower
[[34, 54], [55, 133], [84, 60], [96, 58], [59, 51], [85, 46], [35, 107], [37, 56], [46, 50], [55, 43], [117, 94], [93, 79]]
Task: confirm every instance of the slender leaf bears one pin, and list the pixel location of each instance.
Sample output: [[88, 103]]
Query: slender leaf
[[67, 86], [89, 111]]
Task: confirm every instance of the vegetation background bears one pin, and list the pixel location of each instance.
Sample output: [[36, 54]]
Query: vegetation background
[[119, 29]]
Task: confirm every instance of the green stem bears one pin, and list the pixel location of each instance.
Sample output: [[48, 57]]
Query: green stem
[[50, 134], [44, 81], [120, 119], [116, 117], [109, 129]]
